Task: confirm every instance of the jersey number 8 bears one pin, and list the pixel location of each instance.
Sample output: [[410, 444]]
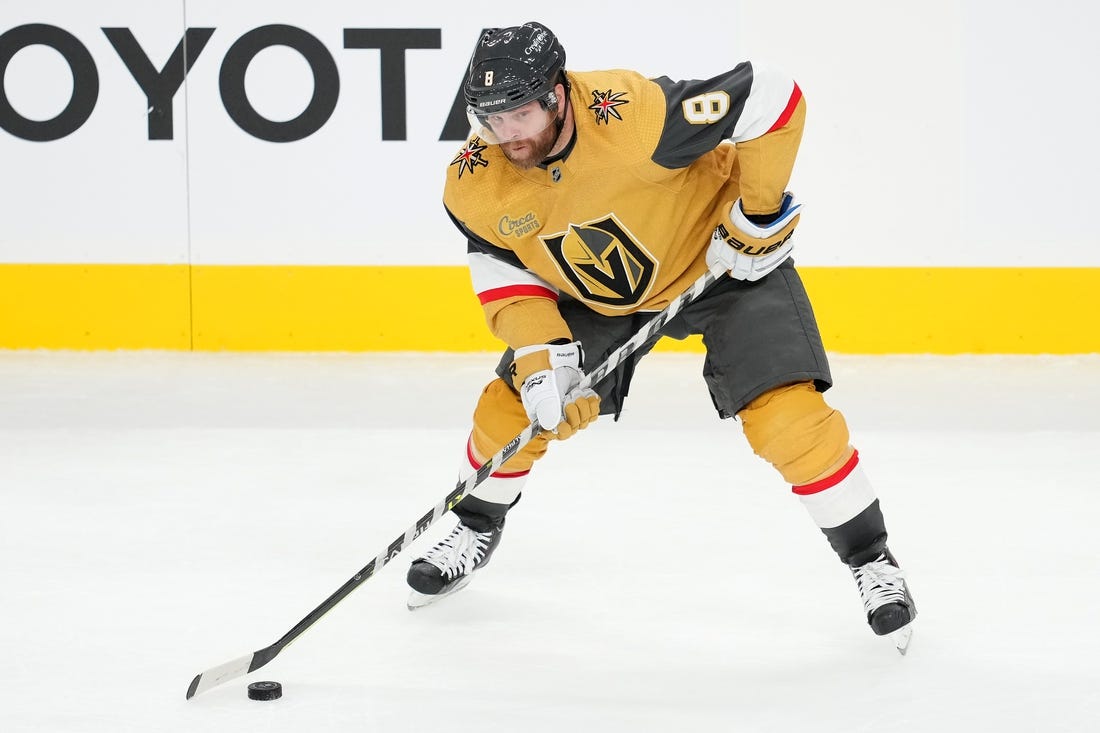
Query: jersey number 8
[[704, 109]]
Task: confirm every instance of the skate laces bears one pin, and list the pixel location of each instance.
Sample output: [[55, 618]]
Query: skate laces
[[880, 582], [459, 552]]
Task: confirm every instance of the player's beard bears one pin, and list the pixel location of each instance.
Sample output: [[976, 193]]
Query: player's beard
[[531, 151]]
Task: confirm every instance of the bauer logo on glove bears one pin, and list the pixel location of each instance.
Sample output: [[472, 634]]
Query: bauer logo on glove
[[749, 251], [746, 248]]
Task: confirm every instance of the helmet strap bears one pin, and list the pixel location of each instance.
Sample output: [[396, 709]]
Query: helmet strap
[[559, 124]]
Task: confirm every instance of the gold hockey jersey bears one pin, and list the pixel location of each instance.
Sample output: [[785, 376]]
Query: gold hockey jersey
[[622, 222]]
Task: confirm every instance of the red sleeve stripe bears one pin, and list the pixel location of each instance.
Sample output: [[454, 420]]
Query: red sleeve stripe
[[514, 291], [499, 474], [785, 117], [829, 481]]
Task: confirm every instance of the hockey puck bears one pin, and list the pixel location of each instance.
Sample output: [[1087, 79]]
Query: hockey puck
[[265, 691]]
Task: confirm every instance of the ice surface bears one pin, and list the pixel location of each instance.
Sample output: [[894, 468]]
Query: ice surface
[[164, 513]]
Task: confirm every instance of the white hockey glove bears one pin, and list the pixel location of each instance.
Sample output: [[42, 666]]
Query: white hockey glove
[[550, 375], [748, 251]]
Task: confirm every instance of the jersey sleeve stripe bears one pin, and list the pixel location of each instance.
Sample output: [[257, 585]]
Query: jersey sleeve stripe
[[785, 117], [767, 102], [495, 279], [515, 291]]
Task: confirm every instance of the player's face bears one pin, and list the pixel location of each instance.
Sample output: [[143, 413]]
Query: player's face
[[522, 122], [526, 135]]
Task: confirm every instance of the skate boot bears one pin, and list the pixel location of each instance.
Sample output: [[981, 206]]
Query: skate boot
[[886, 599], [447, 567]]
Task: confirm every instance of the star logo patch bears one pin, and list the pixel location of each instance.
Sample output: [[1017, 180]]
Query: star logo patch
[[470, 157], [604, 104]]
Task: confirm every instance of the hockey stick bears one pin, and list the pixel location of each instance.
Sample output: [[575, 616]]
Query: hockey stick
[[252, 662]]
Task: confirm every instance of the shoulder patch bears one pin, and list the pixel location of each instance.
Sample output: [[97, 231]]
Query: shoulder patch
[[470, 157], [605, 104]]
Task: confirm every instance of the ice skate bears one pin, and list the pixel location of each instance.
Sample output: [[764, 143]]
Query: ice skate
[[886, 599], [448, 567]]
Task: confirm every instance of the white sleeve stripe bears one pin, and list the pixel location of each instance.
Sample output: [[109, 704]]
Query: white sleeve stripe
[[768, 98], [489, 273]]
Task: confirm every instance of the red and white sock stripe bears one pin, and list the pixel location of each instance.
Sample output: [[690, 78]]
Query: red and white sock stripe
[[835, 499], [502, 487]]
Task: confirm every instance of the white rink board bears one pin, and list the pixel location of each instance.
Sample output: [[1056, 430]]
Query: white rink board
[[104, 193], [933, 139]]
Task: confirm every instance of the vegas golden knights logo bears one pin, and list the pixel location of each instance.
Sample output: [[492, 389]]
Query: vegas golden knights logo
[[603, 262]]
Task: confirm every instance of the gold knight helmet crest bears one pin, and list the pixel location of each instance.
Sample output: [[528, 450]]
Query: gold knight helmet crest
[[603, 261]]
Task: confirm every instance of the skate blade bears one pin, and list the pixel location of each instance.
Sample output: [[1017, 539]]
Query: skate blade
[[419, 600], [902, 637]]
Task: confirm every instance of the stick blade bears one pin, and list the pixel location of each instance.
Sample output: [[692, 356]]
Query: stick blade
[[217, 675]]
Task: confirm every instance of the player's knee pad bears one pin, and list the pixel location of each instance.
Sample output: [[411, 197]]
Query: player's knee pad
[[498, 418], [792, 428]]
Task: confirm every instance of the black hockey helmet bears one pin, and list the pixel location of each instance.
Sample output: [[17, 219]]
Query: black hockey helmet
[[511, 67]]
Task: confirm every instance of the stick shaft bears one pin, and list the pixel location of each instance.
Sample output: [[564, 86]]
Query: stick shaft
[[238, 668]]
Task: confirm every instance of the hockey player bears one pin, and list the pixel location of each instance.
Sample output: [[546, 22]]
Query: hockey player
[[589, 202]]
